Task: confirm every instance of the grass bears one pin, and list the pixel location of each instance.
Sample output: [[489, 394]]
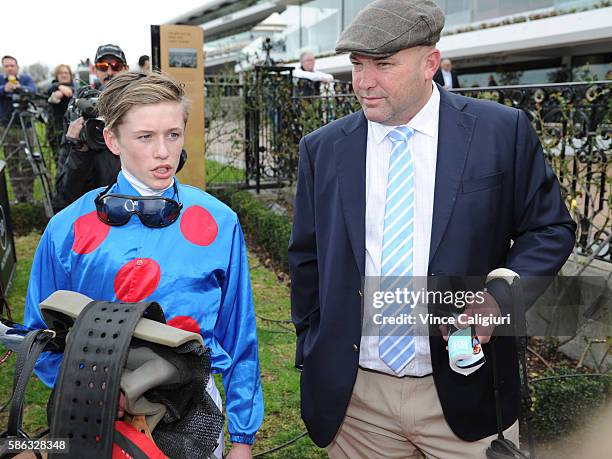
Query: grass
[[276, 351], [35, 416], [218, 173]]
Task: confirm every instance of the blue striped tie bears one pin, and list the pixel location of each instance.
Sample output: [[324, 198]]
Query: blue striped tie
[[396, 343]]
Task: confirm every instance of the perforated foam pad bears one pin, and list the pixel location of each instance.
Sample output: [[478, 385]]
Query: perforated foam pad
[[86, 393], [87, 390]]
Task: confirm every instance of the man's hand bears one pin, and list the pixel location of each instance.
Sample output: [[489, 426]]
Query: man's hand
[[56, 97], [488, 308], [240, 451], [65, 91], [74, 129], [10, 87]]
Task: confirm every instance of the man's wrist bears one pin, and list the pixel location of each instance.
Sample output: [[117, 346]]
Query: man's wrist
[[77, 144], [500, 291]]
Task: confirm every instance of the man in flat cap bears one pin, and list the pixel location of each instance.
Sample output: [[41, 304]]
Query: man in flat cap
[[420, 182]]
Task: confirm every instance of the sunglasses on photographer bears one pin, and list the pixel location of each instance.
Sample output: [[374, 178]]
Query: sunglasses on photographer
[[104, 66], [153, 211]]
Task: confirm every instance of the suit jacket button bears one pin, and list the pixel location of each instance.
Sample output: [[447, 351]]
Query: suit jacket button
[[355, 348], [360, 293]]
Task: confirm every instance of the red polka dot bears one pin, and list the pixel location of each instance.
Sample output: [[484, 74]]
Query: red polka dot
[[185, 323], [137, 279], [89, 233], [198, 226]]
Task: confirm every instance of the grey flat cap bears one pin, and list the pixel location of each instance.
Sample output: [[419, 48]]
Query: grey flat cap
[[385, 27]]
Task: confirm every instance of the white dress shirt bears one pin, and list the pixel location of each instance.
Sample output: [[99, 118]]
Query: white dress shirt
[[448, 78], [424, 145], [315, 75]]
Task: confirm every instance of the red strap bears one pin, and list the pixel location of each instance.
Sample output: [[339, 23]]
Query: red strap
[[144, 443]]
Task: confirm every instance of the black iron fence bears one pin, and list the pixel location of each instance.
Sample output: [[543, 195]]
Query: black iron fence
[[574, 123], [254, 128]]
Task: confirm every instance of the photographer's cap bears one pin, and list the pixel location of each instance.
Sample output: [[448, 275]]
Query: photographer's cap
[[385, 27], [110, 50]]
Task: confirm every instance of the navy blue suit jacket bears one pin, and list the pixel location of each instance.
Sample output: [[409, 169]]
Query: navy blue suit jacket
[[492, 186]]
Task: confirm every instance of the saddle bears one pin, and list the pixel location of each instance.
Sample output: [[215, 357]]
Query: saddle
[[111, 348]]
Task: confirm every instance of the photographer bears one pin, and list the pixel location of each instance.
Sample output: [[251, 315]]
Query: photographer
[[59, 93], [19, 168], [85, 162]]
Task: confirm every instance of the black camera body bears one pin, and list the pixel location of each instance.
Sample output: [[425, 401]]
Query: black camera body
[[85, 104], [23, 99]]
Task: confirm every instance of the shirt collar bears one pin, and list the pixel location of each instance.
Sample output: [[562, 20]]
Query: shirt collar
[[425, 121], [123, 186]]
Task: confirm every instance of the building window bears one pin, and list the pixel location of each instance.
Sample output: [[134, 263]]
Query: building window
[[549, 71], [593, 67], [320, 22]]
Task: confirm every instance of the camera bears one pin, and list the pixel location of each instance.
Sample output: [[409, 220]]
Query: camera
[[85, 104], [23, 99]]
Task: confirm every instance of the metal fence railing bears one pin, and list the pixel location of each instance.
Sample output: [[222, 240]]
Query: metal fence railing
[[254, 128]]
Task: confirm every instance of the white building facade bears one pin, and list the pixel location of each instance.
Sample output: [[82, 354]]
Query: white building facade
[[501, 41]]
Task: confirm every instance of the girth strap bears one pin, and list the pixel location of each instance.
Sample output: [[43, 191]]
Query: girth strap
[[31, 347], [87, 389], [34, 343]]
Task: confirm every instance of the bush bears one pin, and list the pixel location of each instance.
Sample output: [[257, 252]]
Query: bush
[[268, 229], [563, 405], [27, 217]]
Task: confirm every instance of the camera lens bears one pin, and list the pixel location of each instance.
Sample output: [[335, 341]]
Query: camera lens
[[92, 134]]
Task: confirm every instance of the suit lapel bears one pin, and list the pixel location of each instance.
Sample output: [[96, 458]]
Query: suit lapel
[[350, 153], [454, 137]]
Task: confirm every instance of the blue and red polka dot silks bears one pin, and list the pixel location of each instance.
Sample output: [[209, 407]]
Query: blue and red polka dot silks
[[196, 269]]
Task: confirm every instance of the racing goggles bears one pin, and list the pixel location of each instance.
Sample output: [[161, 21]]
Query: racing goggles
[[104, 66], [153, 211]]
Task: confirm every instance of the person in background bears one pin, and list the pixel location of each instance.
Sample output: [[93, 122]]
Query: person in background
[[446, 76], [59, 93], [19, 168], [79, 168], [309, 79], [144, 63], [110, 61]]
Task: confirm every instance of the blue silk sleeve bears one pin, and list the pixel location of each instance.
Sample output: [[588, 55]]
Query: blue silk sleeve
[[47, 276], [236, 331]]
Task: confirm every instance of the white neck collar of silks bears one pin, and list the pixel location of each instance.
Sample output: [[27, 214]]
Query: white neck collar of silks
[[143, 189]]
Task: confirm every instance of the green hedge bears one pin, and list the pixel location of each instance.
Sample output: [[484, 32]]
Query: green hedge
[[268, 229], [27, 217], [563, 405]]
